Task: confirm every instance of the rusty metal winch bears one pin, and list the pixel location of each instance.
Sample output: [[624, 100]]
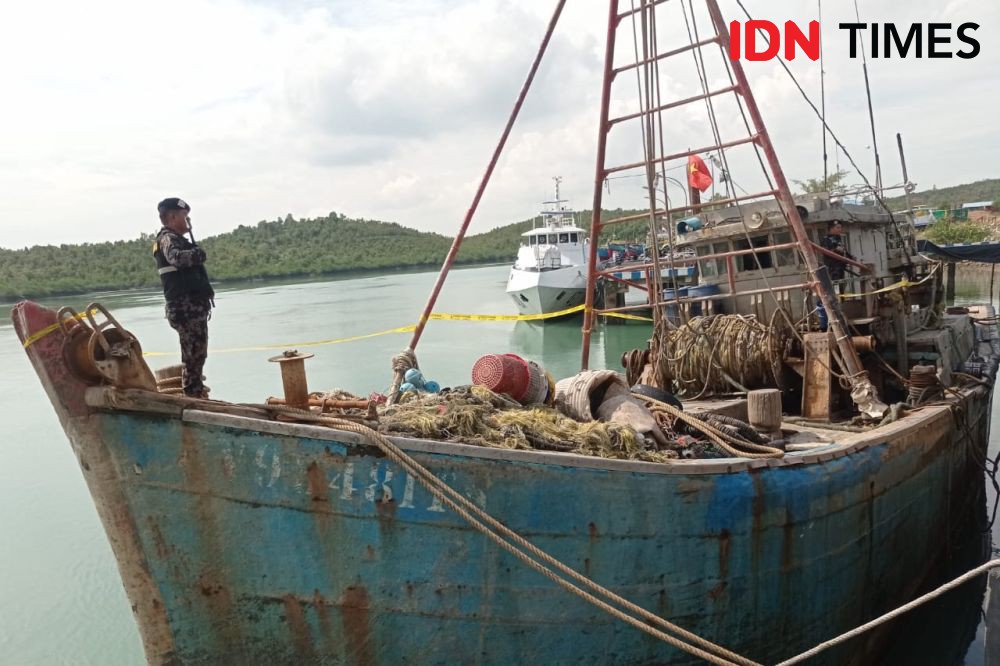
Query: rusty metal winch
[[105, 352]]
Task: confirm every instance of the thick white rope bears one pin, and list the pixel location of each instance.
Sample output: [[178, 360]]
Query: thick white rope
[[933, 594], [459, 503], [464, 508]]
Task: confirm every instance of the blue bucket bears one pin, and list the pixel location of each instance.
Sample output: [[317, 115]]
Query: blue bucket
[[670, 306], [689, 224], [700, 291]]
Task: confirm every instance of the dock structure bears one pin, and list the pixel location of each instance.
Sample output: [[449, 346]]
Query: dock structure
[[986, 252]]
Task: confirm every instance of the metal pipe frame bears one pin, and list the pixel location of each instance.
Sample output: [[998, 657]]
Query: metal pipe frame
[[667, 54], [713, 297], [687, 153], [672, 105], [862, 390], [457, 243], [600, 173]]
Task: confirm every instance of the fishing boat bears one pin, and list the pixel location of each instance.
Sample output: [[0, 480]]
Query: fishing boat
[[277, 533], [550, 274]]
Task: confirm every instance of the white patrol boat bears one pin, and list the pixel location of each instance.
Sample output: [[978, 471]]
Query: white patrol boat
[[550, 272]]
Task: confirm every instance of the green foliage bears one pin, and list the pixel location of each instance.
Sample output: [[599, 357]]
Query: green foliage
[[817, 185], [949, 231], [948, 198], [276, 249]]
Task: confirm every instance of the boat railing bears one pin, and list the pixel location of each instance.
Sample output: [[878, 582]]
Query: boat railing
[[860, 288]]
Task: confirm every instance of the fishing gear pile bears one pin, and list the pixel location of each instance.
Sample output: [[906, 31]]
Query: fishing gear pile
[[477, 415], [718, 354]]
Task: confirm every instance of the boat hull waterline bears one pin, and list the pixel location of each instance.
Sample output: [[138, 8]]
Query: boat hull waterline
[[542, 292]]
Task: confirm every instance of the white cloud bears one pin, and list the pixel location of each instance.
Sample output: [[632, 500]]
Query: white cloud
[[390, 109]]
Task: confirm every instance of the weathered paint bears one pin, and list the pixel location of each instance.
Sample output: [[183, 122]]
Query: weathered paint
[[286, 548], [293, 548]]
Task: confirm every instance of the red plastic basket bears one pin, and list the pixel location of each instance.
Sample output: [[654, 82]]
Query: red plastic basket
[[502, 373]]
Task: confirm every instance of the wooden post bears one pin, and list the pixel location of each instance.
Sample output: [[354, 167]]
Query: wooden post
[[949, 289], [293, 378], [764, 409], [817, 382]]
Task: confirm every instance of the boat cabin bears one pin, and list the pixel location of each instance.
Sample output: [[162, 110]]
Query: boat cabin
[[743, 253], [558, 242]]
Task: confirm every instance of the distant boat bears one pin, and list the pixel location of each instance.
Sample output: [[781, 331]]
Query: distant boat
[[550, 271]]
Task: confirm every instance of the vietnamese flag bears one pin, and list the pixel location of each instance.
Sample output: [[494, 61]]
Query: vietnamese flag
[[698, 174]]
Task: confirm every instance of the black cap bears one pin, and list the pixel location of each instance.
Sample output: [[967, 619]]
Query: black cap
[[173, 203]]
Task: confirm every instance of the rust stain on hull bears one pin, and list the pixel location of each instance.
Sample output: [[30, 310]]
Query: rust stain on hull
[[299, 629], [356, 625], [210, 584], [725, 543]]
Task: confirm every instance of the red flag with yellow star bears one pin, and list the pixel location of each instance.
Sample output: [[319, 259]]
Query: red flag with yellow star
[[698, 174]]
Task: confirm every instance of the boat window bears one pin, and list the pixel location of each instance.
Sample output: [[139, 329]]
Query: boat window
[[563, 238], [574, 238], [720, 263], [746, 262], [553, 239], [532, 240], [707, 268], [787, 257]]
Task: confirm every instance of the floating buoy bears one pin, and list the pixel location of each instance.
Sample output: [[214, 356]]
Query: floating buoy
[[414, 377]]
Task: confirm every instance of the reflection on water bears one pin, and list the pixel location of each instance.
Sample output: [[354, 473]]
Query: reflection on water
[[61, 599]]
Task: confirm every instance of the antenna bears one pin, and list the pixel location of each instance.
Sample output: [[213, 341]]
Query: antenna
[[871, 113], [822, 94]]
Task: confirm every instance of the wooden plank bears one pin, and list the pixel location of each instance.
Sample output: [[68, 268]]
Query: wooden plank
[[817, 381]]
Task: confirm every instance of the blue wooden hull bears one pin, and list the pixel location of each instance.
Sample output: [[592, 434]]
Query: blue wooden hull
[[293, 548], [248, 541]]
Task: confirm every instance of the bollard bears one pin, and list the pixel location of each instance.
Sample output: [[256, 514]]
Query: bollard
[[293, 377]]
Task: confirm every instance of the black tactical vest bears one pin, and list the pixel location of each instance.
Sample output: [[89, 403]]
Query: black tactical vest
[[178, 282]]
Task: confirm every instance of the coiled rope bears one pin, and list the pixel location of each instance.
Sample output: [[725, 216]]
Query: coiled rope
[[493, 529], [714, 354]]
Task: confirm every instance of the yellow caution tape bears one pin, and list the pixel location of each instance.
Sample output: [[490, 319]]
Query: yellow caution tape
[[51, 328], [437, 316], [902, 284], [444, 316], [315, 343]]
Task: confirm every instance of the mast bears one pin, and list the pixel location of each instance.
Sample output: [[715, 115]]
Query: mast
[[601, 174], [457, 243], [863, 392]]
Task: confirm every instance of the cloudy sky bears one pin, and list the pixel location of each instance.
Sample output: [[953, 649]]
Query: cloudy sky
[[390, 109]]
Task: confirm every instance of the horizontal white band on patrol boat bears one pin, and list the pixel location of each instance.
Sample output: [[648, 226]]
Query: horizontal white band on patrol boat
[[167, 269]]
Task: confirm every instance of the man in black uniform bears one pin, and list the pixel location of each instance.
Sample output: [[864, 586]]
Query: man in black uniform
[[834, 241], [189, 294]]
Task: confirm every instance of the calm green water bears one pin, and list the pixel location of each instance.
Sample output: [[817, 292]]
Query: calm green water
[[61, 600]]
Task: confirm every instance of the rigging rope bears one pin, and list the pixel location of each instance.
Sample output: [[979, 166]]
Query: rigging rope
[[933, 594], [840, 146], [871, 112]]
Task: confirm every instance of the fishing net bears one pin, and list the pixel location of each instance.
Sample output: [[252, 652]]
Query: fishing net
[[476, 415]]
